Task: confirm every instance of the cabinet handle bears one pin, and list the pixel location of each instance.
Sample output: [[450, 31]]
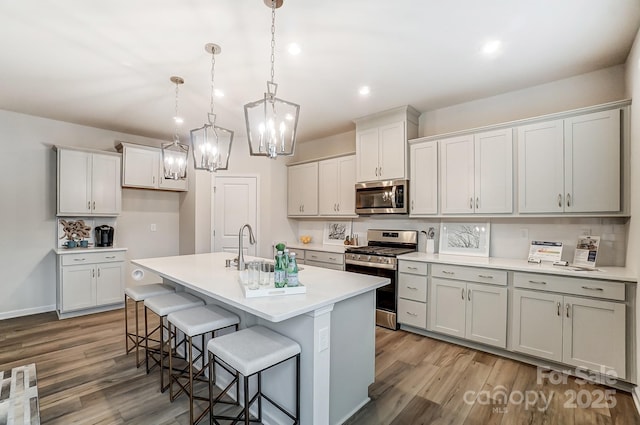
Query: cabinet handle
[[485, 276], [567, 309], [447, 272], [153, 179], [111, 257], [412, 206], [560, 200], [79, 259], [376, 171], [469, 294], [568, 199], [332, 258], [93, 273], [592, 288], [94, 205], [98, 272], [412, 268], [302, 207], [413, 288], [471, 203], [538, 282], [338, 207], [380, 171], [412, 314], [313, 256], [477, 202], [463, 293], [89, 205], [558, 308]]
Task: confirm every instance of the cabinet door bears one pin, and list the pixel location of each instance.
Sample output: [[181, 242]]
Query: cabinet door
[[494, 171], [328, 187], [456, 175], [541, 167], [537, 324], [594, 334], [78, 287], [486, 314], [392, 151], [140, 167], [367, 155], [109, 283], [74, 182], [303, 189], [423, 186], [106, 191], [346, 185], [447, 307], [592, 162], [170, 184], [412, 313]]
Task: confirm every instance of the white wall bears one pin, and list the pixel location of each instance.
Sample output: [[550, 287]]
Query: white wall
[[339, 144], [27, 215]]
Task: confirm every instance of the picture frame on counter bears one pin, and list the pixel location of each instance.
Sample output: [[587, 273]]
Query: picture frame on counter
[[335, 232], [465, 239]]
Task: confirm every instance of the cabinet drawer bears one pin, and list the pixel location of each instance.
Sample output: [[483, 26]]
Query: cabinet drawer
[[413, 267], [470, 274], [299, 253], [412, 313], [92, 257], [570, 285], [325, 257], [412, 287], [325, 265]]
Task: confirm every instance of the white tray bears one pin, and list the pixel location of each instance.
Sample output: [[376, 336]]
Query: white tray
[[270, 291]]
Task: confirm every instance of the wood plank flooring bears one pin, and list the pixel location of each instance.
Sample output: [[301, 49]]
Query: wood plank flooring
[[84, 377]]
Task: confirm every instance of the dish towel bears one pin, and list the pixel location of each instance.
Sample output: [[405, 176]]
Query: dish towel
[[19, 396]]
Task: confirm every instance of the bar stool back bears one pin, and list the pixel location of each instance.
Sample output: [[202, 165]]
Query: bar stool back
[[249, 352], [138, 294], [193, 322], [163, 305]]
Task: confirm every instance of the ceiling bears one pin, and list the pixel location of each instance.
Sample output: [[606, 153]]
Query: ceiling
[[107, 64]]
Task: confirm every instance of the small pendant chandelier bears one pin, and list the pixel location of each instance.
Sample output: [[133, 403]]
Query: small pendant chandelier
[[175, 154], [271, 122], [210, 144]]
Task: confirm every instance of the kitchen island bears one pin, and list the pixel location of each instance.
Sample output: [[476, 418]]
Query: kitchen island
[[334, 323]]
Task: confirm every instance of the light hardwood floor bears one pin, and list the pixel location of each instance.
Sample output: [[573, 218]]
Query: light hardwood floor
[[84, 377]]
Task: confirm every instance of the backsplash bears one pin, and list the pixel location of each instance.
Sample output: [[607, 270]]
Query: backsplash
[[510, 238]]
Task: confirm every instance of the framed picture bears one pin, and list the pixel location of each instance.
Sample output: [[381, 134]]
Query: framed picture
[[335, 232], [465, 238]]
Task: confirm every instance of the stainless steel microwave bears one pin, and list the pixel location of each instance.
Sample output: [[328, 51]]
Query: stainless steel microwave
[[384, 197]]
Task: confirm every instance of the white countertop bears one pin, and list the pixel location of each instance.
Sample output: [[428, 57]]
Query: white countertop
[[79, 250], [207, 274], [338, 249], [609, 273]]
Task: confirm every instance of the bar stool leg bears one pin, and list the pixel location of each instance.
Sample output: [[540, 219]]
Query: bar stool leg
[[246, 400]]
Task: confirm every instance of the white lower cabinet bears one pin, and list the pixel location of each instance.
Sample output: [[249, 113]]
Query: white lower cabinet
[[328, 260], [469, 310], [90, 281], [581, 332], [412, 293]]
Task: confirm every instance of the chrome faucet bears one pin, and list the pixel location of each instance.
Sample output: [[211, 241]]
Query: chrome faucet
[[252, 241]]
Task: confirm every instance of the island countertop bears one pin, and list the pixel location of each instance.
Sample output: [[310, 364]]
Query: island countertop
[[207, 274]]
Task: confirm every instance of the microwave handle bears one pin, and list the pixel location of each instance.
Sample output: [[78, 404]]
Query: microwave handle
[[393, 196]]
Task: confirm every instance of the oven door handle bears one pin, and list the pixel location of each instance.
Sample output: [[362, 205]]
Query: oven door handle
[[371, 265], [393, 196]]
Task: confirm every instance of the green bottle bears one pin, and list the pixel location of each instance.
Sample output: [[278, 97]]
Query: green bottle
[[279, 276], [292, 271]]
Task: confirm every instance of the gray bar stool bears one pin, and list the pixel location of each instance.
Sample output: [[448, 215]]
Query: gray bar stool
[[194, 322], [249, 352], [138, 294], [163, 305]]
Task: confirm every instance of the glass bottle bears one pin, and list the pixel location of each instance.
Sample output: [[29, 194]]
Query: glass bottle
[[279, 276], [285, 263], [292, 271]]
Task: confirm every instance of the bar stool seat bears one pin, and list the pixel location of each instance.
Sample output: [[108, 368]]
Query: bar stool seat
[[138, 294], [252, 351], [163, 305], [193, 322]]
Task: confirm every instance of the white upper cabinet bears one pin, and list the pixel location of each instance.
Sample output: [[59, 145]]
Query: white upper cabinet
[[336, 192], [88, 183], [381, 144], [143, 168], [476, 173], [423, 185], [302, 193], [570, 165]]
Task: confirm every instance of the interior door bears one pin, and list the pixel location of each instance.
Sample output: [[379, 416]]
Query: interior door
[[235, 203]]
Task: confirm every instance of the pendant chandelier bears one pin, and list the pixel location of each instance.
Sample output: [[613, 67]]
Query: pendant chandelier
[[175, 154], [271, 122], [210, 144]]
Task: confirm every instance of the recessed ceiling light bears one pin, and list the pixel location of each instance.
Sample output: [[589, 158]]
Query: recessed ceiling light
[[491, 47], [218, 93], [294, 48], [364, 90]]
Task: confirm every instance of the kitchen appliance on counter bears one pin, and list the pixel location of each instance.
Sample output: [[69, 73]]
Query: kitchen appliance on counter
[[384, 197], [378, 258], [104, 235]]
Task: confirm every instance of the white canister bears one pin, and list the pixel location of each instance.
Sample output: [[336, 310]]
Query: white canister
[[430, 246]]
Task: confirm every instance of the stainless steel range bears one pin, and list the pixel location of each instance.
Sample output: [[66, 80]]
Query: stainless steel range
[[378, 258]]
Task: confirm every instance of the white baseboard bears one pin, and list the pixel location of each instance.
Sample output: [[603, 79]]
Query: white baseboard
[[635, 393], [27, 311]]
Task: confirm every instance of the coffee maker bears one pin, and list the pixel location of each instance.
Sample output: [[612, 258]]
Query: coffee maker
[[104, 236]]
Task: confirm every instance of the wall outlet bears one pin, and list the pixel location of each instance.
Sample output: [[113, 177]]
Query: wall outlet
[[153, 227], [524, 233]]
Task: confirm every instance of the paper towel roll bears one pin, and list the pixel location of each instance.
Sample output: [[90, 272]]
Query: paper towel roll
[[137, 274]]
